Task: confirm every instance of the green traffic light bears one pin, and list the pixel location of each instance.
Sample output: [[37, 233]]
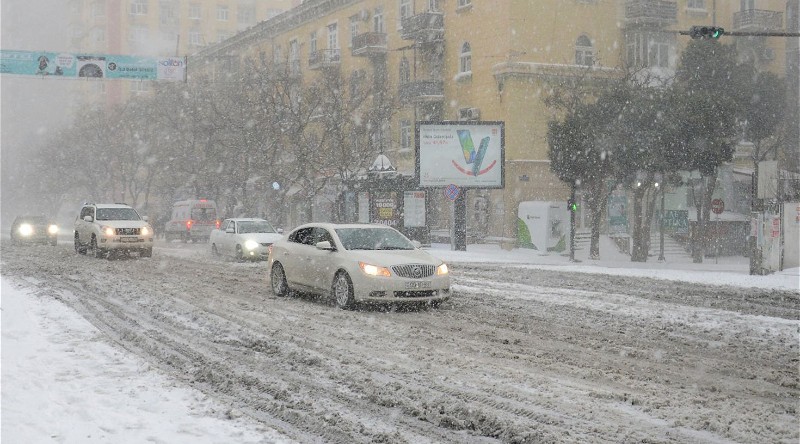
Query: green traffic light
[[717, 32]]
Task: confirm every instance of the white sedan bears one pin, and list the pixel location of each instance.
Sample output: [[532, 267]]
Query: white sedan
[[357, 262], [243, 238]]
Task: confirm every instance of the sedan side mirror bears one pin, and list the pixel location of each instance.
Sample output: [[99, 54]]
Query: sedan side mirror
[[416, 243], [325, 245]]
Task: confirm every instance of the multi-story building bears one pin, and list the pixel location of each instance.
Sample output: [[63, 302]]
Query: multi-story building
[[497, 60], [159, 28]]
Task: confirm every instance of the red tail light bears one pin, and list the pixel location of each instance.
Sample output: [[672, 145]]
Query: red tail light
[[189, 224], [216, 223]]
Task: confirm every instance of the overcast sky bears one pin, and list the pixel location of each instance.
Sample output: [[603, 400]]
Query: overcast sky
[[29, 107]]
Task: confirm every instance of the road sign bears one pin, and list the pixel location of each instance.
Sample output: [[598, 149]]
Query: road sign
[[451, 191], [717, 206]]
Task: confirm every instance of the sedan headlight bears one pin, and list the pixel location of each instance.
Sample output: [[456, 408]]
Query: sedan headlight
[[250, 244], [108, 231], [26, 229], [374, 270], [442, 269], [52, 229]]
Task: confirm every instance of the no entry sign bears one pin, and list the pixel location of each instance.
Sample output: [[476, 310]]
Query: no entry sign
[[717, 206]]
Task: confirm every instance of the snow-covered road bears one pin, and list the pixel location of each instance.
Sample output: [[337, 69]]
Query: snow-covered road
[[518, 355]]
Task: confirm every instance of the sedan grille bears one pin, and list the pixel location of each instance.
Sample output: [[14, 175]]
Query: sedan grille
[[414, 271], [127, 231]]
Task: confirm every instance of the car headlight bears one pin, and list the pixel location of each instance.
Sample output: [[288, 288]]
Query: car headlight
[[374, 270], [442, 269], [145, 231], [26, 229], [250, 244], [52, 229], [108, 231]]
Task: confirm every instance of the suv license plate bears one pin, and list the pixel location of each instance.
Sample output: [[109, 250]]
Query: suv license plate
[[418, 284], [129, 239]]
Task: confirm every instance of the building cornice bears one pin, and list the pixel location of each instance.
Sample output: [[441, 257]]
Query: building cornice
[[306, 12]]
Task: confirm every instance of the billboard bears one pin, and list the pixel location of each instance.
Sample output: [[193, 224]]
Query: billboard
[[465, 154], [98, 66]]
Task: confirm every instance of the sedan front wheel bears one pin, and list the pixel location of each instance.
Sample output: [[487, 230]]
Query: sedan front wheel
[[278, 277], [343, 291]]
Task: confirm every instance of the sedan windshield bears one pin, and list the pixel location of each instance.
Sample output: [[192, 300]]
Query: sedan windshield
[[117, 214], [373, 238], [258, 226]]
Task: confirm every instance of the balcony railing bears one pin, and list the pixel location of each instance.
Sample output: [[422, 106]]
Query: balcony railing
[[757, 20], [424, 27], [421, 91], [369, 43], [324, 58], [661, 12]]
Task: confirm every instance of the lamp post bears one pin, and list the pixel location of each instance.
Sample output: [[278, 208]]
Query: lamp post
[[660, 187]]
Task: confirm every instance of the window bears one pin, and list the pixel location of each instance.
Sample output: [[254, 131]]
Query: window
[[405, 134], [584, 54], [139, 87], [195, 39], [138, 7], [748, 5], [405, 71], [246, 15], [333, 36], [649, 50], [277, 55], [405, 9], [167, 14], [222, 13], [465, 58], [294, 57], [464, 3], [195, 11], [433, 6], [353, 28], [696, 4], [377, 20], [312, 42]]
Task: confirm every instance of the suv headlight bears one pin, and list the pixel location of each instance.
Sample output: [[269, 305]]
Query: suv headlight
[[145, 231], [250, 244], [52, 229], [26, 229], [108, 231]]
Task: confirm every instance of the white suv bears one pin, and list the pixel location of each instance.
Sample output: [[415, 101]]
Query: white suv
[[104, 228]]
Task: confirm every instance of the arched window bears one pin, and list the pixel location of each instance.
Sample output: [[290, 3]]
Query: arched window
[[466, 58], [584, 54], [405, 71]]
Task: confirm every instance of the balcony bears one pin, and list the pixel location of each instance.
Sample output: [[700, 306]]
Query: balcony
[[369, 44], [651, 12], [757, 20], [324, 58], [425, 27], [421, 91]]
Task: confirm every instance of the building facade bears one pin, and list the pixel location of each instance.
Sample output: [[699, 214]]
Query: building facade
[[478, 60], [158, 28]]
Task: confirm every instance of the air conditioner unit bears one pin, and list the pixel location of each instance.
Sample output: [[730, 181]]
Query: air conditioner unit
[[469, 114], [364, 15]]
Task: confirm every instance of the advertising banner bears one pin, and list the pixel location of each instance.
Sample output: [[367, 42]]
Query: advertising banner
[[413, 209], [464, 154], [100, 66]]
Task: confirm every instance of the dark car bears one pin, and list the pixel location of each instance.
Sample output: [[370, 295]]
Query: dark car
[[34, 229]]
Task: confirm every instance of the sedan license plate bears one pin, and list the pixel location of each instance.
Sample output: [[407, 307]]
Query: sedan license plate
[[418, 284], [129, 239]]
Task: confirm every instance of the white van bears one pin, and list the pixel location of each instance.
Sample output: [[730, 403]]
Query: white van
[[192, 220]]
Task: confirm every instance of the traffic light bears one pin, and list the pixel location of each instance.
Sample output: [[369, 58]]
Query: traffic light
[[572, 206], [706, 32]]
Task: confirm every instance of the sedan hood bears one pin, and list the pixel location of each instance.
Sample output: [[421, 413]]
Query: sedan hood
[[262, 238], [388, 258]]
